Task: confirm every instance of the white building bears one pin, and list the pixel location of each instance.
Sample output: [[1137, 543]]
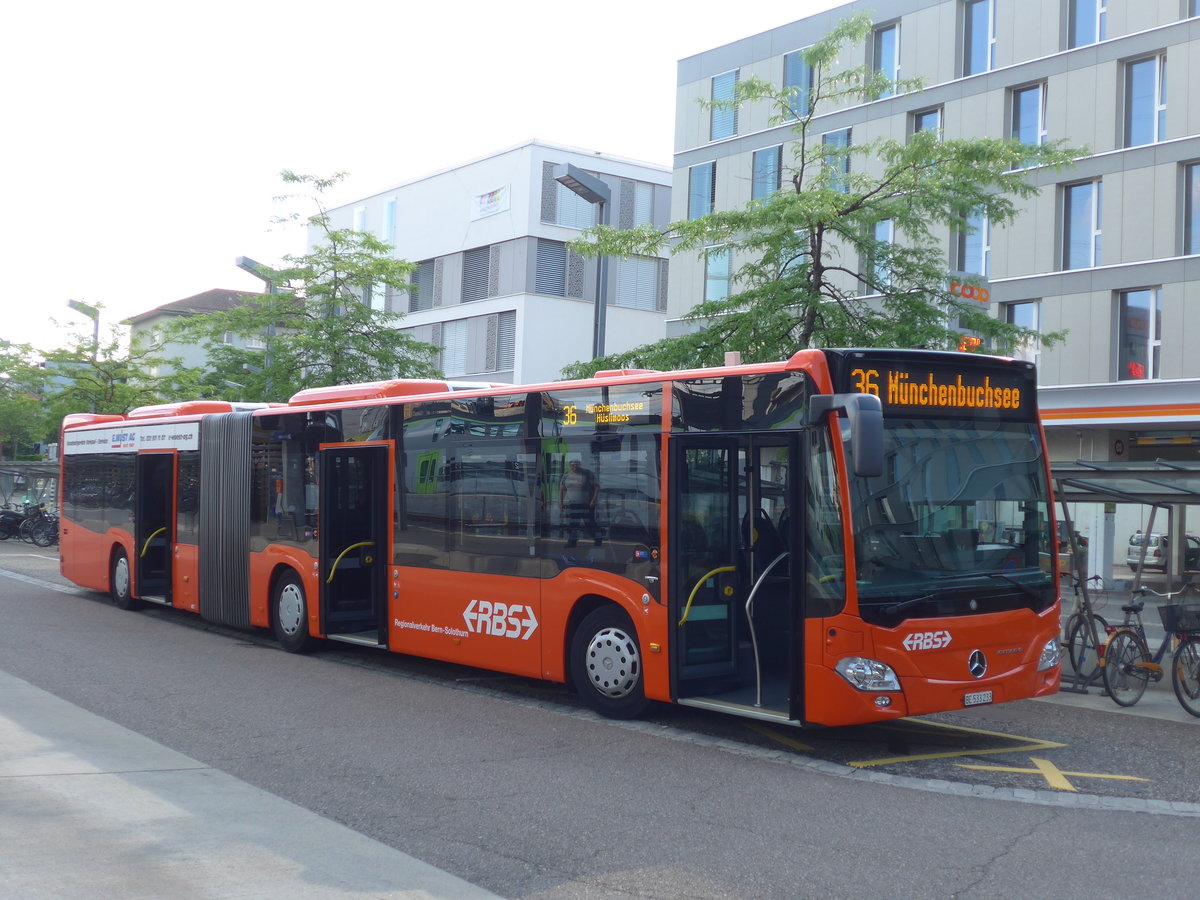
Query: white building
[[496, 286]]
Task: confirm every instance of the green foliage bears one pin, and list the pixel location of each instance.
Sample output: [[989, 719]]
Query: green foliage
[[20, 399], [316, 326], [808, 270], [113, 375]]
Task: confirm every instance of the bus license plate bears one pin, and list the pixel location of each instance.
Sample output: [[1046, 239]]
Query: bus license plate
[[977, 698]]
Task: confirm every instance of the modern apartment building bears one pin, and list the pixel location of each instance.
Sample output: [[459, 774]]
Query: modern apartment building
[[1108, 252], [496, 286]]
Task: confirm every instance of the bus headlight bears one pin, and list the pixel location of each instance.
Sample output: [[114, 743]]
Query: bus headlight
[[1051, 655], [868, 674]]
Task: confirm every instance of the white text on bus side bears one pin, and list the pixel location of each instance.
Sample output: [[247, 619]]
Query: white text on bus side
[[500, 620], [927, 640]]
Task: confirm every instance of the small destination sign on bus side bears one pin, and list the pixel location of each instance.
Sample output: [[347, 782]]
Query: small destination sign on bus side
[[608, 409]]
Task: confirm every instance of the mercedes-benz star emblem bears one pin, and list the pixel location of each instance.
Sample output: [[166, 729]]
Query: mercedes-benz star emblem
[[977, 663]]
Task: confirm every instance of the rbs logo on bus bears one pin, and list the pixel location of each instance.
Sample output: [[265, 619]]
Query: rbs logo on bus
[[500, 619], [927, 640]]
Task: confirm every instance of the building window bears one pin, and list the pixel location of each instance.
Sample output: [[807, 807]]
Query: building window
[[454, 347], [643, 203], [797, 83], [716, 273], [1025, 314], [766, 172], [1088, 22], [974, 245], [927, 120], [420, 291], [360, 218], [1029, 114], [702, 183], [506, 340], [571, 210], [475, 274], [387, 233], [1191, 209], [374, 296], [1146, 101], [637, 283], [1140, 334], [550, 276], [723, 122], [1082, 207], [885, 233], [885, 55], [836, 147], [979, 37]]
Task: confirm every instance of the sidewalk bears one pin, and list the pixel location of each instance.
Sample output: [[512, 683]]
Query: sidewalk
[[91, 809]]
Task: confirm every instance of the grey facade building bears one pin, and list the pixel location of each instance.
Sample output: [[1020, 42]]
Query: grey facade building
[[1109, 251]]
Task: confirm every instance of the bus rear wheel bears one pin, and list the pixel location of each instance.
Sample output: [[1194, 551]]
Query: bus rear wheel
[[289, 614], [606, 664], [120, 585]]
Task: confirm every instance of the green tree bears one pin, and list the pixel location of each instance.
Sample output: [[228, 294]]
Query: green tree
[[317, 326], [847, 252], [21, 419], [109, 375]]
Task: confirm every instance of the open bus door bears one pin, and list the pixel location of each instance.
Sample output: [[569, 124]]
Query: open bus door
[[154, 525], [354, 542], [735, 573]]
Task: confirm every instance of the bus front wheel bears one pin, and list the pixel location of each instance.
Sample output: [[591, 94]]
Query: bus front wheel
[[289, 614], [120, 585], [606, 664]]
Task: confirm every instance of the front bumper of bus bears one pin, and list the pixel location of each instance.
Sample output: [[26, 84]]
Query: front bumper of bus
[[861, 688]]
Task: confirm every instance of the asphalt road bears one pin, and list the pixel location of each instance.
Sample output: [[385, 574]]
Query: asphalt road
[[511, 785]]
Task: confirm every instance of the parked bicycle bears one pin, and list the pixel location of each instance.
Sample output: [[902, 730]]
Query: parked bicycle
[[1128, 665], [35, 516], [1085, 641]]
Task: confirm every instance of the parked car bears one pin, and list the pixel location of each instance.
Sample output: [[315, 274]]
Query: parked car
[[1156, 551]]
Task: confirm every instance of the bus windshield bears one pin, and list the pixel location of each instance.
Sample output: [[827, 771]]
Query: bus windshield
[[957, 524]]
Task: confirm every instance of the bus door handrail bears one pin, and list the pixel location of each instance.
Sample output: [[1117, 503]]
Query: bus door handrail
[[146, 546], [750, 622], [336, 562], [692, 596]]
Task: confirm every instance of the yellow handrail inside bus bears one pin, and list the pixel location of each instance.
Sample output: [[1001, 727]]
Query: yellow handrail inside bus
[[692, 596], [146, 546], [333, 571]]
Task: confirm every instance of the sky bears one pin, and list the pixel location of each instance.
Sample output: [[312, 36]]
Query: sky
[[144, 140]]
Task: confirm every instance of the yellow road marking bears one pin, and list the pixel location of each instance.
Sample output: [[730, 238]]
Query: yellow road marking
[[1055, 777], [786, 741], [1023, 744]]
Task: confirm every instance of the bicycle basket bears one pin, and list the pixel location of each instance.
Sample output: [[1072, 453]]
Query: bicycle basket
[[1178, 618]]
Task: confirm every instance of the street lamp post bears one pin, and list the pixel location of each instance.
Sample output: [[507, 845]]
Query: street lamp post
[[92, 313], [256, 269], [593, 190]]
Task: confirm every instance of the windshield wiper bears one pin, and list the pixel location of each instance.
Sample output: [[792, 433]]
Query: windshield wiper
[[1023, 588], [894, 608]]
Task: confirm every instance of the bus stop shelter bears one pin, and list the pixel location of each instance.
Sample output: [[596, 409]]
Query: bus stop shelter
[[1168, 487]]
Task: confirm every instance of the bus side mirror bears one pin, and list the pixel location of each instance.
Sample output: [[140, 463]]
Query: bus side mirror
[[865, 413]]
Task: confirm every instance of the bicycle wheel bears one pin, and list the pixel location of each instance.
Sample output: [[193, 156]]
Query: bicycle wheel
[[1185, 674], [43, 533], [1125, 684], [1082, 648]]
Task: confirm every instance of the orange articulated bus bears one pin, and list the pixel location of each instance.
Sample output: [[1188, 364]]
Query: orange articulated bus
[[845, 537]]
